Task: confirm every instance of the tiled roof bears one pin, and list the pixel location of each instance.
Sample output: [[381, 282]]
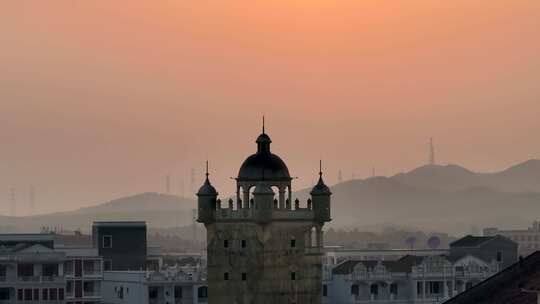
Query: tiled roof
[[471, 241], [507, 286]]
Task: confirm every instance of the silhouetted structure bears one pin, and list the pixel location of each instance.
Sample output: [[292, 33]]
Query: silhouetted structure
[[262, 249]]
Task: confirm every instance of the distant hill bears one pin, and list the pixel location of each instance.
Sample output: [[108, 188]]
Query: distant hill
[[444, 198], [524, 177], [440, 198], [158, 210]]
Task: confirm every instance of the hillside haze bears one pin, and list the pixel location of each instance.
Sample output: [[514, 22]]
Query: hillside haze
[[439, 198]]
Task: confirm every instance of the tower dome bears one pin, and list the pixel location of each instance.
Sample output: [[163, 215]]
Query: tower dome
[[321, 188], [264, 165], [207, 189]]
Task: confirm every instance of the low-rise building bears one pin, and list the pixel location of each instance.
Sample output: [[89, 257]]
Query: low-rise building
[[31, 271], [423, 276], [528, 240], [185, 285]]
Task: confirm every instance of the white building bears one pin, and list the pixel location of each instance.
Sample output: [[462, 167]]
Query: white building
[[186, 285], [411, 279], [83, 273], [31, 271]]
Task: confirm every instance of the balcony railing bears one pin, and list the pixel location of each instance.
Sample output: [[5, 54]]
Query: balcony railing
[[92, 294], [33, 279], [92, 272]]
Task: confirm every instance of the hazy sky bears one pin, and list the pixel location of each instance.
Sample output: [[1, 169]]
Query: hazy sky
[[100, 99]]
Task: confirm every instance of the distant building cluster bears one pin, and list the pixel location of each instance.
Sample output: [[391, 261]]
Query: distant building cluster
[[414, 276], [113, 265]]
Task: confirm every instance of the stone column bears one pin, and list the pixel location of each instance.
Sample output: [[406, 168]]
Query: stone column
[[415, 290], [423, 289], [245, 201], [445, 283], [281, 198]]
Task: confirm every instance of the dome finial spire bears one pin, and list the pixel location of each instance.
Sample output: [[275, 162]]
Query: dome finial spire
[[320, 167], [263, 126], [207, 169]]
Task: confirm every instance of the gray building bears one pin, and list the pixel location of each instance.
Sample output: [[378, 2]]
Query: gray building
[[488, 248], [121, 244], [261, 247]]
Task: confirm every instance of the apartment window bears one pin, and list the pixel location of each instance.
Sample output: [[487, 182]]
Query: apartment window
[[28, 294], [325, 290], [107, 241], [202, 292], [499, 256], [152, 292], [244, 243], [394, 289], [107, 265], [177, 292], [226, 276], [355, 290], [25, 270], [36, 294], [244, 276], [50, 270], [293, 276], [225, 243], [45, 294], [61, 294], [20, 293], [53, 294]]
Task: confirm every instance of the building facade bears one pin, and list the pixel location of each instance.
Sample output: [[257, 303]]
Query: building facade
[[31, 271], [411, 280], [414, 276], [185, 285], [114, 240], [528, 239], [261, 247]]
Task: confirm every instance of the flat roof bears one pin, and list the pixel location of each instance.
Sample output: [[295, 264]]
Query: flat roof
[[120, 224], [27, 237]]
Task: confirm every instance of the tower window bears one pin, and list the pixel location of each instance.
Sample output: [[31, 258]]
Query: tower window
[[293, 276], [244, 276], [225, 243], [226, 276], [107, 241], [244, 243], [293, 242], [325, 290]]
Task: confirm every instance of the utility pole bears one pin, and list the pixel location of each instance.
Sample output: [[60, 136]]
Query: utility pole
[[12, 202], [32, 195], [168, 184], [431, 152]]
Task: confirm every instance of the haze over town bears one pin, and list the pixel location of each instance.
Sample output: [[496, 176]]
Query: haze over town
[[100, 99]]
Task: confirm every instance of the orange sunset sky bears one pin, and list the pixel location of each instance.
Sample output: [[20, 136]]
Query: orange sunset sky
[[100, 99]]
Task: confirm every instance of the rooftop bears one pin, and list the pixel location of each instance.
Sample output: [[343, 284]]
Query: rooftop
[[120, 224], [507, 286]]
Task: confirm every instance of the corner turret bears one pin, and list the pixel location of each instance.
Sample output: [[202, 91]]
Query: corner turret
[[207, 199], [320, 195]]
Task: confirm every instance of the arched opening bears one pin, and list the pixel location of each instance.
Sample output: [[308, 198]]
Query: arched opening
[[313, 237], [355, 290], [374, 291]]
